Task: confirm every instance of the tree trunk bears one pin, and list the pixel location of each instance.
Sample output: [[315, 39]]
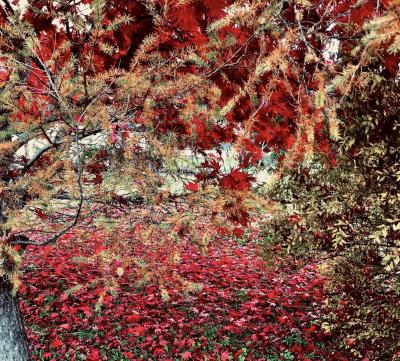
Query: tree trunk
[[13, 340]]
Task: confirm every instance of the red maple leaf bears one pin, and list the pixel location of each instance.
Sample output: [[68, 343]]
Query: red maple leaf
[[194, 187], [41, 214], [236, 180], [224, 356], [94, 355], [56, 343], [132, 318], [139, 331]]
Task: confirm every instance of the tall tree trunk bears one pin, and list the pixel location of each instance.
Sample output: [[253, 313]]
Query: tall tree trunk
[[13, 341]]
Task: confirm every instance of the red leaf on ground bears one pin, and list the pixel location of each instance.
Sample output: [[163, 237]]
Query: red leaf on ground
[[194, 187], [41, 214], [57, 343]]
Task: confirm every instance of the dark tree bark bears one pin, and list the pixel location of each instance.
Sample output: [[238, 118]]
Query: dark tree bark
[[13, 341]]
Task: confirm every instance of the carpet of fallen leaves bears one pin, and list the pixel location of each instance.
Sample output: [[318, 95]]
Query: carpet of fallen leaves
[[239, 309]]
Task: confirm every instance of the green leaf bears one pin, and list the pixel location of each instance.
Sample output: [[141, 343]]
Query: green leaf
[[320, 99]]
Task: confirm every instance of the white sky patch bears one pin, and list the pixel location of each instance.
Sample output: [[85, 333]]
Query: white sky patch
[[331, 50], [83, 10]]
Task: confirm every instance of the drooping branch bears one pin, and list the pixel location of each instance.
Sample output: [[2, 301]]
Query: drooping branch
[[8, 6]]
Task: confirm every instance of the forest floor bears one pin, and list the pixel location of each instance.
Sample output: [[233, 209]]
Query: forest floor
[[229, 305]]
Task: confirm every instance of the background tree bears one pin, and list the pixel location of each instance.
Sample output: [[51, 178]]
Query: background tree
[[346, 211]]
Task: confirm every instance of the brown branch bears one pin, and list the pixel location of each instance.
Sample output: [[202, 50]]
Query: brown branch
[[8, 6], [46, 135]]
